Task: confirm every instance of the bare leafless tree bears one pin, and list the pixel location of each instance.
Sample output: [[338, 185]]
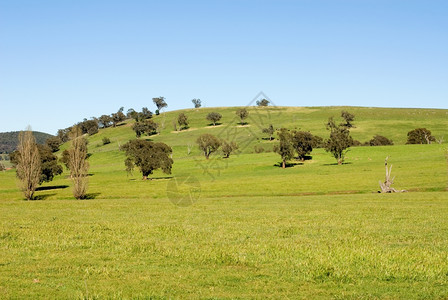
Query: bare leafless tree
[[386, 185], [28, 163], [78, 163]]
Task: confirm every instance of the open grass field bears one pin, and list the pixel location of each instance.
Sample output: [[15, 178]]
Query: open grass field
[[313, 230]]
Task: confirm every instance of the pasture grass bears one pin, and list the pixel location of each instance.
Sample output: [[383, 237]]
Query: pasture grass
[[313, 230], [323, 246]]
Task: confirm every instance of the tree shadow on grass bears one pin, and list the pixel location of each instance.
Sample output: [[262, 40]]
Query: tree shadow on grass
[[91, 196], [288, 164], [216, 124], [43, 197], [336, 164], [151, 178], [53, 187]]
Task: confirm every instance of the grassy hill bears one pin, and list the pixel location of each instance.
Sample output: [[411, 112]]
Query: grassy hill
[[10, 140], [239, 227]]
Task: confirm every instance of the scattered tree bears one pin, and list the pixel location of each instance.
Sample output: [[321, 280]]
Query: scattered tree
[[197, 103], [302, 142], [89, 126], [214, 117], [228, 147], [262, 102], [285, 148], [348, 118], [420, 136], [208, 144], [63, 134], [270, 131], [28, 164], [145, 114], [118, 117], [379, 140], [148, 127], [340, 139], [54, 143], [160, 103], [182, 120], [77, 162], [242, 113], [147, 156], [105, 121]]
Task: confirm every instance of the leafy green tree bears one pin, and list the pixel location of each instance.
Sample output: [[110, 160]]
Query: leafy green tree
[[285, 148], [89, 126], [242, 113], [420, 136], [228, 147], [214, 117], [48, 164], [182, 120], [105, 121], [348, 119], [270, 131], [340, 139], [160, 103], [54, 143], [208, 144], [148, 127], [262, 102], [147, 156], [118, 117], [63, 134], [303, 143], [145, 114], [197, 103]]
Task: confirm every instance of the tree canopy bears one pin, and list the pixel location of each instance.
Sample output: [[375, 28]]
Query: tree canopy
[[214, 117], [197, 103], [208, 144], [285, 147], [242, 113], [340, 139], [147, 156], [420, 136], [263, 102]]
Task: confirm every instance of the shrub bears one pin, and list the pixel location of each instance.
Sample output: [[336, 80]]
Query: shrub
[[379, 140], [106, 140]]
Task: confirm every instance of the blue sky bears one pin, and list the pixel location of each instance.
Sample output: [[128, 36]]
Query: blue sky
[[63, 61]]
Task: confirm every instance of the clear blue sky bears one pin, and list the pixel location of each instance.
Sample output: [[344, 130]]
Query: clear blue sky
[[62, 61]]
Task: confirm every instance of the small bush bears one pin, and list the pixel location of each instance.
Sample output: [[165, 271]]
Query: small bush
[[258, 149], [379, 140], [106, 140]]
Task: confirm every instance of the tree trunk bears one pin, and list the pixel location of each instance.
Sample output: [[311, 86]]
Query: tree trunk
[[283, 164]]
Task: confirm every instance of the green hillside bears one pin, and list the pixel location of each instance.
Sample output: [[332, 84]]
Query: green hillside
[[240, 227], [394, 123]]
